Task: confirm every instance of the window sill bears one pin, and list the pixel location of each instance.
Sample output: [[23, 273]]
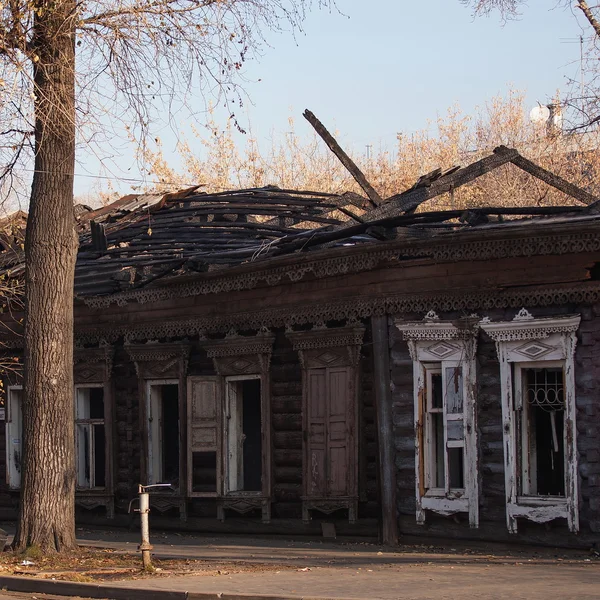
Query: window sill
[[445, 506], [541, 501]]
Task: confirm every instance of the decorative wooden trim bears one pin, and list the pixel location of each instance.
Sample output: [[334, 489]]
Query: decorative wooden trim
[[432, 340], [328, 347], [559, 342], [587, 294], [93, 366], [239, 356], [163, 361], [369, 257], [323, 348]]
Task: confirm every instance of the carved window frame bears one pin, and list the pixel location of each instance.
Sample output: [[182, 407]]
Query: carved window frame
[[434, 344], [92, 367], [243, 357], [157, 362], [325, 348], [534, 342]]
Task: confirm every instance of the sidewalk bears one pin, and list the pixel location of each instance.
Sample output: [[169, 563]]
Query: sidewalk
[[345, 571]]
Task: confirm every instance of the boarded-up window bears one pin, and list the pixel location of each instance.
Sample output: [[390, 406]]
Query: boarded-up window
[[203, 436], [330, 409]]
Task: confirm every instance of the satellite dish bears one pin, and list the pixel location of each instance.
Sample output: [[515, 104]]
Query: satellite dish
[[539, 115]]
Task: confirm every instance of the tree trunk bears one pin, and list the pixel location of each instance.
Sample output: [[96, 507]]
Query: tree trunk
[[47, 508]]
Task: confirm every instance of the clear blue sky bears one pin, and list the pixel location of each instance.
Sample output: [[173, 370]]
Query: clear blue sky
[[387, 66]]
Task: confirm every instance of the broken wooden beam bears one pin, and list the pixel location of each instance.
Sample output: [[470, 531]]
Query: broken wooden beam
[[411, 199], [547, 177], [352, 168]]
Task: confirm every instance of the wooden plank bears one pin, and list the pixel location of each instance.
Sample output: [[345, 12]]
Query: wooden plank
[[547, 177], [358, 175], [411, 199], [383, 406]]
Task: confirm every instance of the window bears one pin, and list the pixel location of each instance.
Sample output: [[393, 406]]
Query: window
[[446, 474], [541, 428], [90, 436], [445, 435], [538, 409], [243, 434], [14, 433], [163, 431]]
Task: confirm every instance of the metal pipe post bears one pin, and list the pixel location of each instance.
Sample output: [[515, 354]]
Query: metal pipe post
[[145, 546]]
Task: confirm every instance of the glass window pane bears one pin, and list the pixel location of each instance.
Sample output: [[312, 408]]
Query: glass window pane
[[436, 391], [83, 403], [456, 467], [454, 390], [437, 469], [456, 430]]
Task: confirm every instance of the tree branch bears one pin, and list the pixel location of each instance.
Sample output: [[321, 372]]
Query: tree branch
[[587, 11]]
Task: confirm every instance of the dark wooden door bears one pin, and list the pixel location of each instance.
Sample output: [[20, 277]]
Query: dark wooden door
[[330, 408]]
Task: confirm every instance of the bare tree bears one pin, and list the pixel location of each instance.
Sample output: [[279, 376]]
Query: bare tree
[[584, 106], [65, 67]]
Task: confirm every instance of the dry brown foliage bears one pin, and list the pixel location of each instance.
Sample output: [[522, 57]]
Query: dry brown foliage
[[458, 139]]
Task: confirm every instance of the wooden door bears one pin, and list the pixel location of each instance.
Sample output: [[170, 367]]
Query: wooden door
[[330, 410]]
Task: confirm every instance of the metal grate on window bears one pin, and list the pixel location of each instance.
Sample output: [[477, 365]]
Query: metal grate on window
[[544, 388]]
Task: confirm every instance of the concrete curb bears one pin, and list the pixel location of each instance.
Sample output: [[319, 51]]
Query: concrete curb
[[111, 592]]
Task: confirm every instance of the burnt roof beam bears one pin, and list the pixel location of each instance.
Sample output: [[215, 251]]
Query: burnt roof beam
[[350, 165], [546, 176]]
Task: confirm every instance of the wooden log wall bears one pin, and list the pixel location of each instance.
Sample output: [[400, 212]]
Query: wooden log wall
[[286, 419], [127, 444], [489, 415]]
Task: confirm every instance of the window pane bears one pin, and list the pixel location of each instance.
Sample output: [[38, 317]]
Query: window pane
[[436, 391], [454, 390], [456, 430], [83, 403], [437, 469], [544, 388], [97, 403], [456, 467], [544, 471]]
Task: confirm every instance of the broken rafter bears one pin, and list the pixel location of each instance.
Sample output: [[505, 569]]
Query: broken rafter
[[547, 177], [358, 175], [410, 200]]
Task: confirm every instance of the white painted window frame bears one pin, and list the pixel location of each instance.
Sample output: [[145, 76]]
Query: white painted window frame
[[12, 479], [91, 423], [440, 344], [529, 342], [231, 453], [155, 440]]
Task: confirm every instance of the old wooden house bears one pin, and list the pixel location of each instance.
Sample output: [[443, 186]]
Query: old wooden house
[[286, 358]]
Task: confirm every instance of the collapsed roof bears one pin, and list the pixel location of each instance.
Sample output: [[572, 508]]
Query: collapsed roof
[[151, 238]]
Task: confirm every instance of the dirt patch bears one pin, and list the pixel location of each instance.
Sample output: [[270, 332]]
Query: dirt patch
[[92, 565]]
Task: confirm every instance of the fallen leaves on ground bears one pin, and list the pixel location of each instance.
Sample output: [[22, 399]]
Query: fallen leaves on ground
[[97, 565]]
